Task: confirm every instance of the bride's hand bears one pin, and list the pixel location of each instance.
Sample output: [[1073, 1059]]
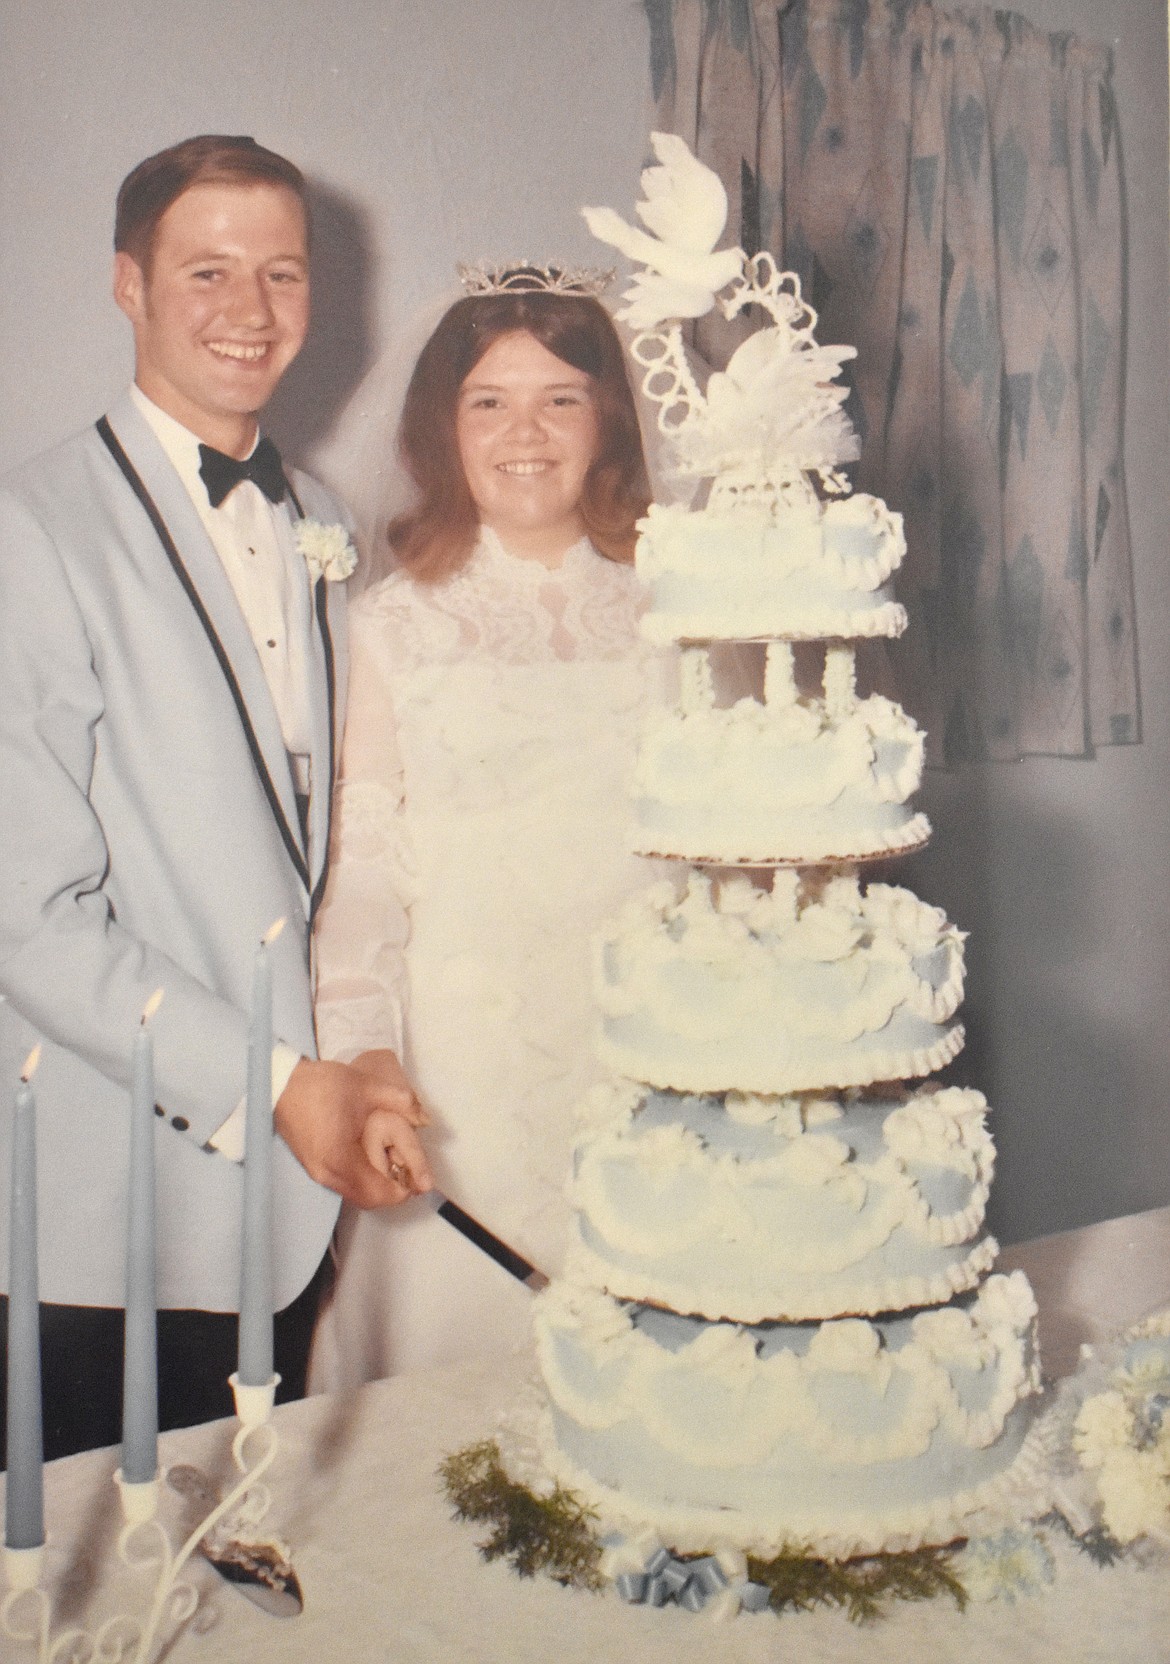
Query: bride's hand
[[388, 1137], [347, 1128], [392, 1146], [382, 1066]]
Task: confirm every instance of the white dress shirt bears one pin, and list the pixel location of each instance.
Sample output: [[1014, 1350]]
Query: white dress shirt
[[254, 541]]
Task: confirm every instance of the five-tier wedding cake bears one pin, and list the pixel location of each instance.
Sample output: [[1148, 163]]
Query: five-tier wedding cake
[[777, 1329]]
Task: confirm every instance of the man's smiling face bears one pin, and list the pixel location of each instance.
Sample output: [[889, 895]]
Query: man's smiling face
[[222, 309]]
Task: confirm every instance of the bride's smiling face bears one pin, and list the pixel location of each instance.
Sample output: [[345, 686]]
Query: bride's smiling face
[[528, 431]]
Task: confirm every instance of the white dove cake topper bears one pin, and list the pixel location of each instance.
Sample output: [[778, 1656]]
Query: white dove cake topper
[[686, 209], [775, 414]]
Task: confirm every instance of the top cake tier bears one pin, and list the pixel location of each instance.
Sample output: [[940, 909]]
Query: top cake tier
[[771, 567], [771, 544]]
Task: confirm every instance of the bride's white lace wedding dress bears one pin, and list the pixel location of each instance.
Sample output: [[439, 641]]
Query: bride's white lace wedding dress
[[480, 839]]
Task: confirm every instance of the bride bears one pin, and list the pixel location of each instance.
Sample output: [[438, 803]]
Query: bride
[[497, 680]]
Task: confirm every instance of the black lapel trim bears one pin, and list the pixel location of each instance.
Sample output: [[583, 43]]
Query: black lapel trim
[[321, 608], [331, 685], [133, 479]]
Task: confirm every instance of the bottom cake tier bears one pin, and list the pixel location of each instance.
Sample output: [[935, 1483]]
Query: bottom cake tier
[[840, 1438]]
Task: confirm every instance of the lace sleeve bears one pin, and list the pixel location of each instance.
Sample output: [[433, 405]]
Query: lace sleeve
[[363, 925]]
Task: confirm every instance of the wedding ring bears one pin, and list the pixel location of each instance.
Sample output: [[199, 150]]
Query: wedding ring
[[398, 1172]]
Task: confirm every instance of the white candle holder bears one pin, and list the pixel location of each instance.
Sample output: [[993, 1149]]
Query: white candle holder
[[253, 1404], [139, 1498], [144, 1546]]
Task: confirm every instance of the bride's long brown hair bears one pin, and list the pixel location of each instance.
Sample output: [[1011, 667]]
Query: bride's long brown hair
[[436, 535]]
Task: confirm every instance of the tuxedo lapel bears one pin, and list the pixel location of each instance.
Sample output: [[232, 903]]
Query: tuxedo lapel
[[185, 543], [325, 718], [321, 632]]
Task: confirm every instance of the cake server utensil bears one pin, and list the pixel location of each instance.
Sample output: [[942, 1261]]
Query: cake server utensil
[[260, 1570]]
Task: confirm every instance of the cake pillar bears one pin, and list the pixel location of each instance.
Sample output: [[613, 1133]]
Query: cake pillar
[[840, 681], [696, 684], [780, 674]]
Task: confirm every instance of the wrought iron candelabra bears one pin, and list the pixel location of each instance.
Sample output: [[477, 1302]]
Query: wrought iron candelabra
[[144, 1547]]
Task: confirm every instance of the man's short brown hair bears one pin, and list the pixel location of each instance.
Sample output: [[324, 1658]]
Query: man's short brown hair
[[210, 159]]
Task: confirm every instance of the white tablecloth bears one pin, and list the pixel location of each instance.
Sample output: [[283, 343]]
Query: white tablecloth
[[388, 1575]]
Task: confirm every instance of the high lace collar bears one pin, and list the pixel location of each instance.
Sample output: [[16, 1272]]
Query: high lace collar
[[575, 563], [508, 610]]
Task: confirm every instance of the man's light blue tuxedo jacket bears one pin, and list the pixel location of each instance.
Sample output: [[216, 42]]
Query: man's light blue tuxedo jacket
[[144, 844]]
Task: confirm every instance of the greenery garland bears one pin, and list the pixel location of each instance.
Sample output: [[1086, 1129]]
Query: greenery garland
[[549, 1534], [554, 1534], [863, 1587]]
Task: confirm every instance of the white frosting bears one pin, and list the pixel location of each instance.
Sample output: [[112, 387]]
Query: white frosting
[[803, 1216], [790, 779], [771, 565], [781, 1207], [777, 991], [850, 1431]]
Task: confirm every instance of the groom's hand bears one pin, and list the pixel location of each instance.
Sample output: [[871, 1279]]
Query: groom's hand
[[352, 1128]]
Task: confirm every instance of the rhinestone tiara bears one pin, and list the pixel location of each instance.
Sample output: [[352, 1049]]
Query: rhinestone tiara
[[524, 277]]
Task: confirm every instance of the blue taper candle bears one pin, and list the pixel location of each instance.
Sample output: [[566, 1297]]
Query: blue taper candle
[[24, 1510], [255, 1355], [140, 1358]]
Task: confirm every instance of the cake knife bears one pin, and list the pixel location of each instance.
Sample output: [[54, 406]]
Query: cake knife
[[487, 1242]]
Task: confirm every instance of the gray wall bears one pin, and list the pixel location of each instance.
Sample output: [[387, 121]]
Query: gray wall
[[476, 127]]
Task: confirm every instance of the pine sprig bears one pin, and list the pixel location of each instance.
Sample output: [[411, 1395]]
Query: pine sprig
[[1102, 1548], [549, 1534], [863, 1587]]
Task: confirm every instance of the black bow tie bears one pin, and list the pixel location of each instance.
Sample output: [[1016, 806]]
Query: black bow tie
[[221, 474]]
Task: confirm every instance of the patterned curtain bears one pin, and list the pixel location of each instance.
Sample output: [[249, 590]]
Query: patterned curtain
[[949, 186]]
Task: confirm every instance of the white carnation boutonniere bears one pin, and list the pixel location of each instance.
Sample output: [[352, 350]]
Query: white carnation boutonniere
[[327, 550]]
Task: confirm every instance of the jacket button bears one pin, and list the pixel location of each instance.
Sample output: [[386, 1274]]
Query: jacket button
[[180, 1123]]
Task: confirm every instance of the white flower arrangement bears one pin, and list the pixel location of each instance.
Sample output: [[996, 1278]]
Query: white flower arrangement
[[1135, 1496], [1122, 1439], [1017, 1562], [1104, 1424], [779, 396], [327, 550]]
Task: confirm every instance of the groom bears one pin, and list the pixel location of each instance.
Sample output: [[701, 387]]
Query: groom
[[171, 689]]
